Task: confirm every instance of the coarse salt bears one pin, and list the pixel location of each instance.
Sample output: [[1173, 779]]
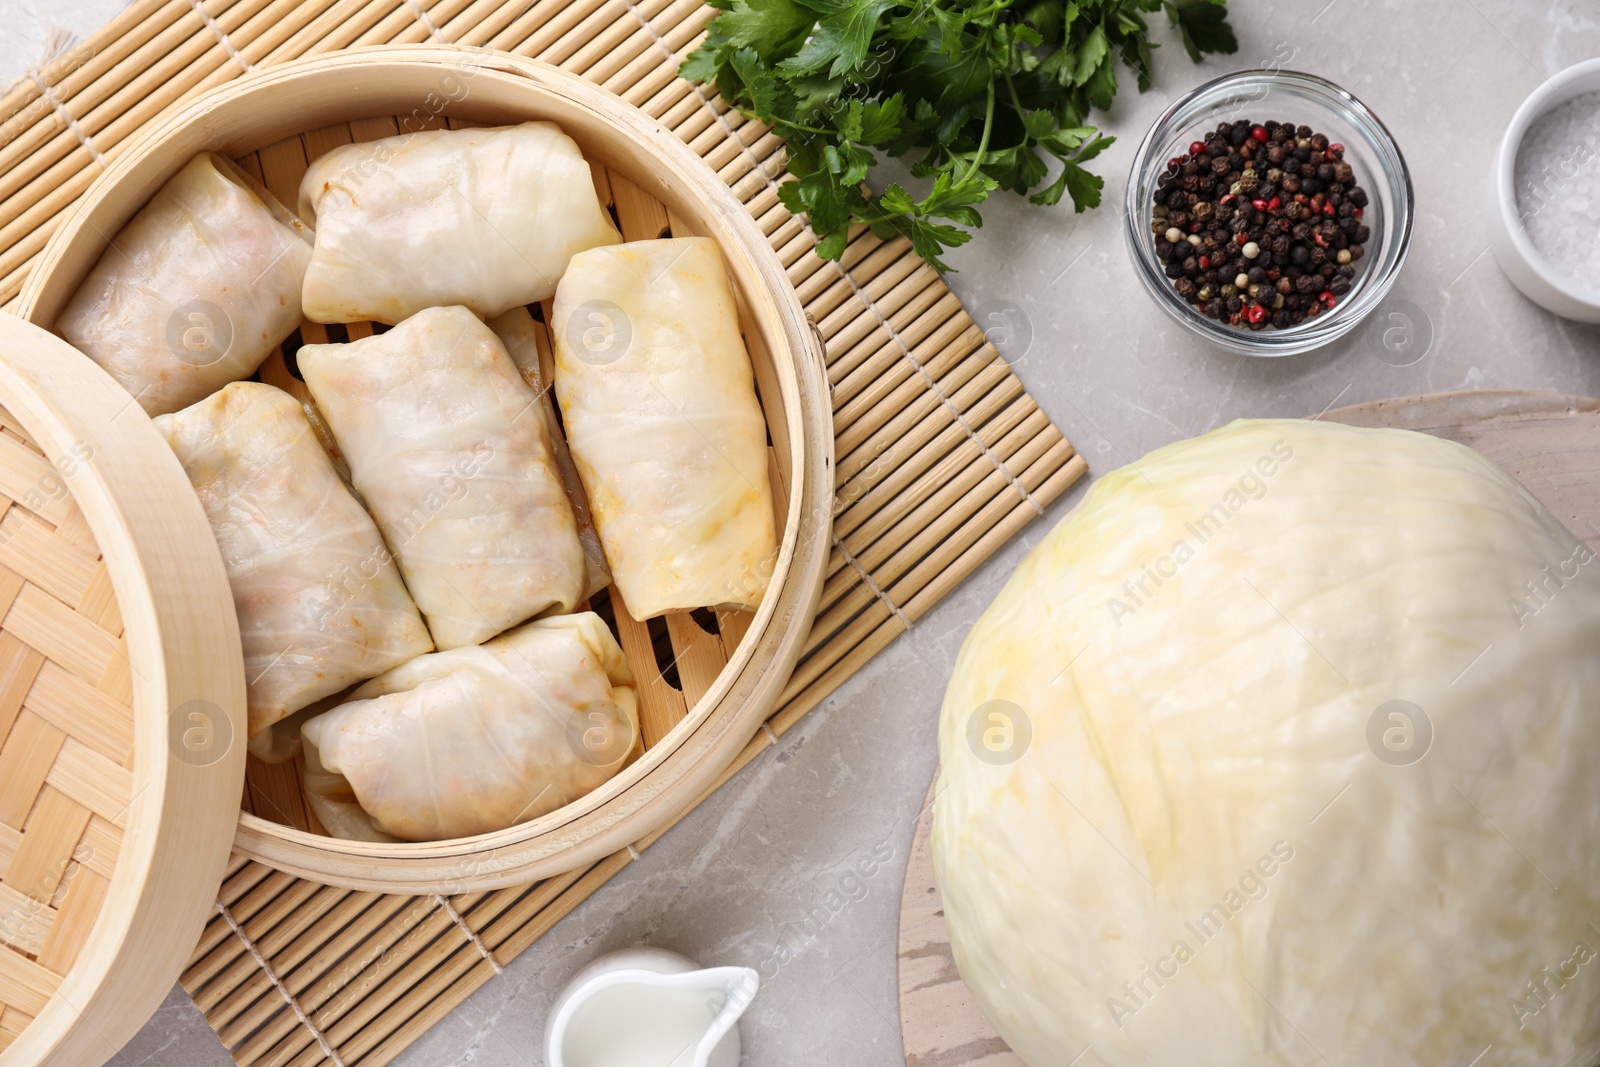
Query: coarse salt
[[1558, 187]]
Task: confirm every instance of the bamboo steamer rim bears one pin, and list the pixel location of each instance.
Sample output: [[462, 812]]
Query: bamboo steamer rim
[[177, 835], [306, 94]]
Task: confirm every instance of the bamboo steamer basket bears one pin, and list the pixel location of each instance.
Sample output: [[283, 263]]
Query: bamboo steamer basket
[[267, 116], [120, 696]]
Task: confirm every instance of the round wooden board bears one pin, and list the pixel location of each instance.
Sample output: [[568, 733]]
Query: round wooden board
[[1548, 441]]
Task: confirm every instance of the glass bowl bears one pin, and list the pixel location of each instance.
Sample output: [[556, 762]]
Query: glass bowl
[[1304, 99]]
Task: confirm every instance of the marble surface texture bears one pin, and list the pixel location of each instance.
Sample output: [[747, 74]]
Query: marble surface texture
[[736, 881]]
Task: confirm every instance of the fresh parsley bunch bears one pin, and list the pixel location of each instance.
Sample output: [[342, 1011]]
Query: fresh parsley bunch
[[983, 89]]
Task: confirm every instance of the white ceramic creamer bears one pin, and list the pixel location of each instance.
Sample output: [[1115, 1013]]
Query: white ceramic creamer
[[649, 1008]]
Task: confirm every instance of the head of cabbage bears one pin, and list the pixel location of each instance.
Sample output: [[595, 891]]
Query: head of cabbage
[[1284, 749]]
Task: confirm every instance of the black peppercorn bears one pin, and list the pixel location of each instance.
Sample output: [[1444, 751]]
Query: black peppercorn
[[1283, 211]]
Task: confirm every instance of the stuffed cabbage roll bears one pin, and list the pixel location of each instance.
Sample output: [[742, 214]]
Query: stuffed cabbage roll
[[522, 338], [484, 218], [320, 603], [449, 448], [195, 291], [476, 739], [661, 414]]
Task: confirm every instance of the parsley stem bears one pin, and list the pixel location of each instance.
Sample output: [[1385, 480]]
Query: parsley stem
[[983, 144], [1016, 102], [882, 216], [802, 127]]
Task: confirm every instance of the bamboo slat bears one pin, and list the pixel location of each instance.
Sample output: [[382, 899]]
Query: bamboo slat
[[942, 456]]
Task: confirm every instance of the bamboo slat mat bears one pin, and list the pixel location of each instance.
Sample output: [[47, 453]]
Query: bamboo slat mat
[[942, 457]]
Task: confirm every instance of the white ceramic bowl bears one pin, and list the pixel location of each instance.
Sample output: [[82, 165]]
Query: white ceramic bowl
[[1540, 280]]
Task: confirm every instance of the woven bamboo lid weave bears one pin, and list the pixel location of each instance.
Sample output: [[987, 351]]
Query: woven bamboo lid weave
[[121, 694]]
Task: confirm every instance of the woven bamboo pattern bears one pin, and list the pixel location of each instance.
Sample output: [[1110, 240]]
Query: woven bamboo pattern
[[942, 457], [66, 730]]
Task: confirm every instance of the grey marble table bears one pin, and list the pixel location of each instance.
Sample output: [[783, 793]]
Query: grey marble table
[[738, 881]]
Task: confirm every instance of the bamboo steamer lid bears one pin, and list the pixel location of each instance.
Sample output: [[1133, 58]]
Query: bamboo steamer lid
[[122, 704]]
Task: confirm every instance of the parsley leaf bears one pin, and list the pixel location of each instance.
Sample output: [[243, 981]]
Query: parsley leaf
[[1203, 25], [841, 39], [979, 94]]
